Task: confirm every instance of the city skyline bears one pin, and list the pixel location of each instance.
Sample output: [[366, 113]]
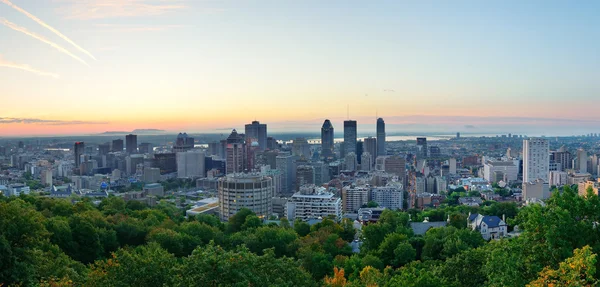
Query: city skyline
[[80, 67]]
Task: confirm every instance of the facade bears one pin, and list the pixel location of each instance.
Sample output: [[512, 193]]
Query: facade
[[380, 137], [285, 165], [46, 177], [145, 148], [117, 145], [131, 143], [151, 174], [301, 148], [353, 198], [493, 169], [78, 150], [327, 151], [558, 178], [536, 159], [183, 143], [313, 202], [190, 164], [350, 137], [537, 189], [387, 197], [563, 159], [351, 161], [366, 162], [257, 131], [245, 190], [305, 174], [155, 189], [395, 165], [370, 146], [235, 153], [582, 161], [422, 146]]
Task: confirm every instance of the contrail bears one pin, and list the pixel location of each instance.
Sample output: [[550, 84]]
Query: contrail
[[5, 63], [36, 19], [39, 37]]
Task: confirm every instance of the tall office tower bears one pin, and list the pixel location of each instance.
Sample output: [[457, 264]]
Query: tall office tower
[[536, 160], [245, 190], [327, 140], [371, 146], [285, 165], [78, 149], [103, 149], [359, 150], [350, 136], [235, 153], [145, 148], [131, 143], [396, 165], [563, 159], [366, 162], [351, 161], [257, 131], [183, 143], [457, 135], [117, 145], [321, 172], [380, 138], [422, 145], [190, 164], [582, 160], [301, 148], [272, 143], [305, 174]]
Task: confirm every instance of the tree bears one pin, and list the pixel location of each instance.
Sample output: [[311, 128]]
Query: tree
[[388, 246], [302, 228], [237, 220], [372, 204], [337, 280], [404, 253], [579, 270], [251, 221]]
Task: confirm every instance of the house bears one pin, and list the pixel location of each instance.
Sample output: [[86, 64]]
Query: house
[[420, 228], [61, 191], [470, 201], [490, 226]]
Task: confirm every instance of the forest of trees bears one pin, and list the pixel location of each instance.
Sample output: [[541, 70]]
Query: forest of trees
[[52, 242]]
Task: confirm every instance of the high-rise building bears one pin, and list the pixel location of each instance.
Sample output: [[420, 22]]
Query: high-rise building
[[235, 153], [582, 161], [371, 146], [285, 164], [245, 190], [305, 174], [131, 143], [457, 135], [117, 145], [190, 164], [380, 138], [151, 175], [350, 136], [321, 172], [78, 149], [272, 143], [354, 198], [145, 148], [301, 148], [536, 160], [313, 202], [103, 149], [395, 165], [257, 131], [183, 143], [366, 162], [387, 197], [327, 140], [351, 161], [422, 146]]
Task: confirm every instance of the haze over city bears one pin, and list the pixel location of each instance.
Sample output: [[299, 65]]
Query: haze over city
[[84, 67]]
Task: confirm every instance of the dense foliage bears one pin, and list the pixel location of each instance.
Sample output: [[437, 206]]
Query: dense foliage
[[54, 242]]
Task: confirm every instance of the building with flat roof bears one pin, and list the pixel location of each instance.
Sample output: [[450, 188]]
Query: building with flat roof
[[245, 190], [313, 202]]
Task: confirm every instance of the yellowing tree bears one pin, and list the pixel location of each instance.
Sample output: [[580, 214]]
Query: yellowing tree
[[578, 270]]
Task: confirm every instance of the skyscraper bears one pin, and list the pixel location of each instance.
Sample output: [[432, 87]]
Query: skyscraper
[[422, 145], [371, 146], [117, 145], [183, 143], [536, 160], [78, 149], [257, 131], [235, 153], [301, 148], [350, 136], [582, 161], [131, 143], [380, 137], [190, 164], [248, 190], [327, 140], [287, 167]]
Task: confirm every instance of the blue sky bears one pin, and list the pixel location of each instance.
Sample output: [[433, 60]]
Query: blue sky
[[198, 65]]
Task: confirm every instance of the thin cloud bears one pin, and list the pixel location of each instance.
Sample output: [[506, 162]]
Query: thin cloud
[[40, 38], [46, 122], [99, 9], [138, 28], [9, 64], [43, 24]]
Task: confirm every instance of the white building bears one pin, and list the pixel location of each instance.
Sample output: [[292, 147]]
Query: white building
[[538, 189], [582, 161], [558, 178], [387, 197], [351, 161], [14, 189], [490, 227], [494, 171], [536, 159], [366, 161], [313, 202], [190, 164], [245, 190], [353, 198]]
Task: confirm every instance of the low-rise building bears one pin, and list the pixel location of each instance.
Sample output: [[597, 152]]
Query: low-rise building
[[490, 227], [537, 189], [313, 202], [155, 189]]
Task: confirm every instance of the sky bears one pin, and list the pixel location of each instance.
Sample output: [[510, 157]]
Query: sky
[[88, 66]]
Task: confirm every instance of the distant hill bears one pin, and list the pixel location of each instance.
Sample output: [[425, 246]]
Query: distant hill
[[136, 131]]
